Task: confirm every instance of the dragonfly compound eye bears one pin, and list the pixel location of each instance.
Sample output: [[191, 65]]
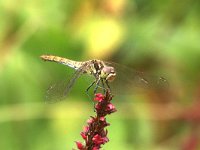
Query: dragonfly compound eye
[[108, 73]]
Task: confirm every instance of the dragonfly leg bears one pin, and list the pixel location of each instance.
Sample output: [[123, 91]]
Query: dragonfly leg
[[103, 86], [87, 90], [97, 85], [108, 85]]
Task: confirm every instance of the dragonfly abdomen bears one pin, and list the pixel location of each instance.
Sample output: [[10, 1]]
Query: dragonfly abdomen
[[61, 60]]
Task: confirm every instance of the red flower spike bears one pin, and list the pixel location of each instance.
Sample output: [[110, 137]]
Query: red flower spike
[[95, 133], [96, 148], [98, 106], [97, 139], [99, 97], [102, 118], [91, 120], [105, 139], [79, 145], [83, 135], [85, 129], [110, 108]]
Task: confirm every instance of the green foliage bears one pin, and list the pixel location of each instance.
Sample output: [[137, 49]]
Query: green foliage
[[158, 37]]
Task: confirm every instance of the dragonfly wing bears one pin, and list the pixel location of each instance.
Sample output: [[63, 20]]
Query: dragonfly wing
[[59, 91], [127, 79]]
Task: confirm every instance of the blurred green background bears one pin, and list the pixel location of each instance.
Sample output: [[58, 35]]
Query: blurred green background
[[157, 37]]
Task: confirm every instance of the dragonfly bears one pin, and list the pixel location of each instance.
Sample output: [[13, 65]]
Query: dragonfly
[[104, 73]]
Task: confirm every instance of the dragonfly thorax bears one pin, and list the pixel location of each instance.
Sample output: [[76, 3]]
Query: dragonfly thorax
[[108, 73]]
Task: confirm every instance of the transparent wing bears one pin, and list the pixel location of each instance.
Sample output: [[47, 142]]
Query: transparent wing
[[59, 91], [128, 79]]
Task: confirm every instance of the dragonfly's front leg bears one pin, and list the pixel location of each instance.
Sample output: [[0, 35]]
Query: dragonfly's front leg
[[87, 91]]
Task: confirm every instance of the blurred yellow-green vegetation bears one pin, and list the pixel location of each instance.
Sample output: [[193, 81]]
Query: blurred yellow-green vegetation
[[157, 37]]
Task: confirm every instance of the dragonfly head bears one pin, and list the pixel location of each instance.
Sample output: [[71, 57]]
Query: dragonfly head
[[108, 73]]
